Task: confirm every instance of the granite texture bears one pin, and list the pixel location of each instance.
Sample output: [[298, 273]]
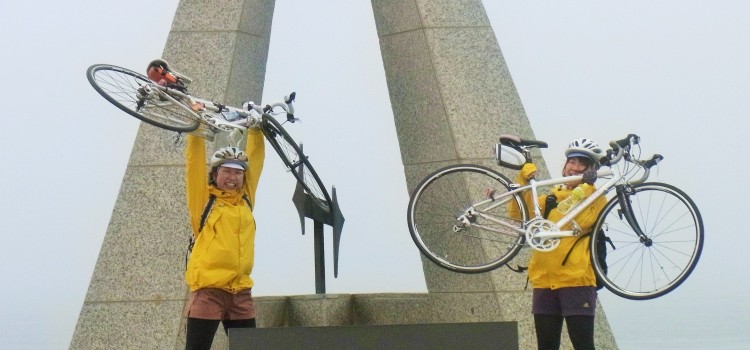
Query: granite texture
[[319, 310], [128, 325], [247, 16], [144, 259], [272, 311], [157, 146], [396, 16], [452, 13], [422, 126]]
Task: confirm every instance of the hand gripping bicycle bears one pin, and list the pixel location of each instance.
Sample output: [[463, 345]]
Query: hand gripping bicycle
[[655, 228]]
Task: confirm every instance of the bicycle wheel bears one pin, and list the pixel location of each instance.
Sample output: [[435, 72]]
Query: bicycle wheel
[[456, 226], [124, 89], [646, 268], [295, 160]]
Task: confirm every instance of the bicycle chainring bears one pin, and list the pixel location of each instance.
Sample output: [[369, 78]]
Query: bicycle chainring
[[542, 244]]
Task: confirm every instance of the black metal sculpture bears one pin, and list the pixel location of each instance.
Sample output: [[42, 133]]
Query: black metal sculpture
[[308, 206]]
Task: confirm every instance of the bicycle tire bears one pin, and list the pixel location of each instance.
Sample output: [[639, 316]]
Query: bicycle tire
[[120, 86], [642, 270], [295, 160], [442, 197]]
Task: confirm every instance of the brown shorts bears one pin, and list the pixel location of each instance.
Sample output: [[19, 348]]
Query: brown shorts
[[217, 304], [570, 301]]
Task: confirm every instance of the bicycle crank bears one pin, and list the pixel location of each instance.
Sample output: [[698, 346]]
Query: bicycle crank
[[542, 226]]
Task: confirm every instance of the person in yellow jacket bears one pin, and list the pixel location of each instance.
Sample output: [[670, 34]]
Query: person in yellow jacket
[[222, 257], [566, 291]]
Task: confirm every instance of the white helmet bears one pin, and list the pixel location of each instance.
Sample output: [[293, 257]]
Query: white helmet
[[585, 148], [231, 157]]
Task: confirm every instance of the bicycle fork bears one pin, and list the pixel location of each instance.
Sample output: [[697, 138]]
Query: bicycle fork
[[626, 212]]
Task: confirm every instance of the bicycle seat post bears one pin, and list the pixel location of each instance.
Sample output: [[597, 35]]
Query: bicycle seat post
[[532, 182], [537, 210]]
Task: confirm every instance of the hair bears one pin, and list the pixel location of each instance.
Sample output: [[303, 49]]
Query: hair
[[212, 176], [585, 160]]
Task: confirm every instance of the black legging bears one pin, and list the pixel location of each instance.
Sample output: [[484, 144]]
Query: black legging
[[200, 332], [549, 329]]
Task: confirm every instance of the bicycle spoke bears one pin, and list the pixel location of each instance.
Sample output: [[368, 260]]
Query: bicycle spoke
[[124, 89], [437, 214]]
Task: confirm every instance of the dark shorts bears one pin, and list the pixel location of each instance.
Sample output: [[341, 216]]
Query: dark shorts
[[571, 301], [217, 304]]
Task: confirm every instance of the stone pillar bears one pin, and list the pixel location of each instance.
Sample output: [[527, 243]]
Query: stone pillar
[[137, 292], [452, 96]]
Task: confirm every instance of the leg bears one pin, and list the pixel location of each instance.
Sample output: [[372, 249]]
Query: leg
[[200, 333], [581, 331], [548, 331]]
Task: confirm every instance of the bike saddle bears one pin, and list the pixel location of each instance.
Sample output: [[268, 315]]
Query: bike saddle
[[159, 71], [515, 141]]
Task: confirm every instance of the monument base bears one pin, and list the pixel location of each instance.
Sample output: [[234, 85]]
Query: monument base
[[441, 336]]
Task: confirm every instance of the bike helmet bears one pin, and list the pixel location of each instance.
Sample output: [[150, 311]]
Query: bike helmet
[[230, 157], [584, 147]]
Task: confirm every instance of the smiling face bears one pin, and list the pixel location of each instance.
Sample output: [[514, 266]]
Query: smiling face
[[575, 166], [229, 179]]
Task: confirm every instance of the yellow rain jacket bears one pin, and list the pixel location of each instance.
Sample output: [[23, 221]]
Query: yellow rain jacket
[[545, 268], [224, 251]]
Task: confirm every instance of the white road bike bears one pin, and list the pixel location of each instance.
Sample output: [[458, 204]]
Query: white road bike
[[172, 108], [656, 230]]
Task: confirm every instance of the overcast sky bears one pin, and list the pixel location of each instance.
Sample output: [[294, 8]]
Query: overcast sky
[[674, 72]]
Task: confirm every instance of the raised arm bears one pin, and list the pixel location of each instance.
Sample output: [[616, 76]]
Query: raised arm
[[196, 179], [255, 150]]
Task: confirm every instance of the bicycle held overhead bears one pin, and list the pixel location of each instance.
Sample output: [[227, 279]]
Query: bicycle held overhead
[[656, 229], [162, 100]]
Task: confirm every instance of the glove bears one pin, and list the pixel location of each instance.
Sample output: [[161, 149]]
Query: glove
[[528, 171], [589, 176]]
